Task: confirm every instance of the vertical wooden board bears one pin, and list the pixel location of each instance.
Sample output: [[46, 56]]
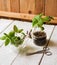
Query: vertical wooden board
[[39, 6], [8, 5], [2, 5], [31, 6], [27, 6], [51, 7], [14, 5]]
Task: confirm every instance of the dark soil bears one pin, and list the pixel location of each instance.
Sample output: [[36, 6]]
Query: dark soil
[[39, 38], [39, 34]]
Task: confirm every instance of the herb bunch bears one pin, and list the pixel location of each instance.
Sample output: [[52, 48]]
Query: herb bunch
[[38, 21], [12, 38]]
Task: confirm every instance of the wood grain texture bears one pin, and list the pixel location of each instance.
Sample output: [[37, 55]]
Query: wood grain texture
[[39, 6], [8, 5], [51, 7], [27, 6], [2, 5], [22, 16], [14, 5], [31, 6]]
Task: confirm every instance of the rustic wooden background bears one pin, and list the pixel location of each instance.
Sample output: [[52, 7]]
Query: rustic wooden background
[[48, 7]]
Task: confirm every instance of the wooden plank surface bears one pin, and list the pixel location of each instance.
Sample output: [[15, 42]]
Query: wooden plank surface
[[15, 5], [2, 5], [5, 52], [7, 55], [23, 59], [52, 60], [27, 6], [8, 6], [39, 6], [4, 23], [51, 7], [34, 59], [10, 53], [31, 6], [48, 7], [22, 16]]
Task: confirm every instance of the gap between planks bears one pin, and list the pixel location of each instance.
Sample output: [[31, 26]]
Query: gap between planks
[[47, 45]]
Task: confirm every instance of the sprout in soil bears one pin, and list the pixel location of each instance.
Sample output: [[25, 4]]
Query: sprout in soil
[[38, 21]]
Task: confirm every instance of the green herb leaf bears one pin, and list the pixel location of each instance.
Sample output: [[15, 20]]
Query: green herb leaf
[[47, 18], [10, 37], [42, 28], [3, 37], [15, 28], [20, 30], [13, 39], [11, 34], [34, 22], [7, 35], [23, 33], [38, 17], [40, 23], [7, 41], [18, 42]]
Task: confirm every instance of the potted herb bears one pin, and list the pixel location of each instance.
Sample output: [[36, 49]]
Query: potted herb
[[13, 38], [39, 36]]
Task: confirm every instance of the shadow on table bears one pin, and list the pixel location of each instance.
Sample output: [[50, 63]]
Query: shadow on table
[[52, 43], [27, 49]]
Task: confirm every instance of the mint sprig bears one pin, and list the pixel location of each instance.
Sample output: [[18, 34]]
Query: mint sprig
[[38, 21], [12, 38]]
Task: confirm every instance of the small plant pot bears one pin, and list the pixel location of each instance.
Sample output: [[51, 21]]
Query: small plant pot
[[39, 38]]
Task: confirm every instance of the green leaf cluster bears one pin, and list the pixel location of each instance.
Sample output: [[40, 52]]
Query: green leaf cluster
[[38, 21], [12, 38]]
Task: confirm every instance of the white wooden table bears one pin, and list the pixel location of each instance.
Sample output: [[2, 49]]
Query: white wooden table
[[10, 57]]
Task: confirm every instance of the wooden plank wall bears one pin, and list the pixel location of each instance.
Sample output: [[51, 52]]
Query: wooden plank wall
[[27, 6], [2, 5], [48, 7], [15, 5], [39, 6], [32, 6], [22, 6], [9, 5], [51, 7]]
